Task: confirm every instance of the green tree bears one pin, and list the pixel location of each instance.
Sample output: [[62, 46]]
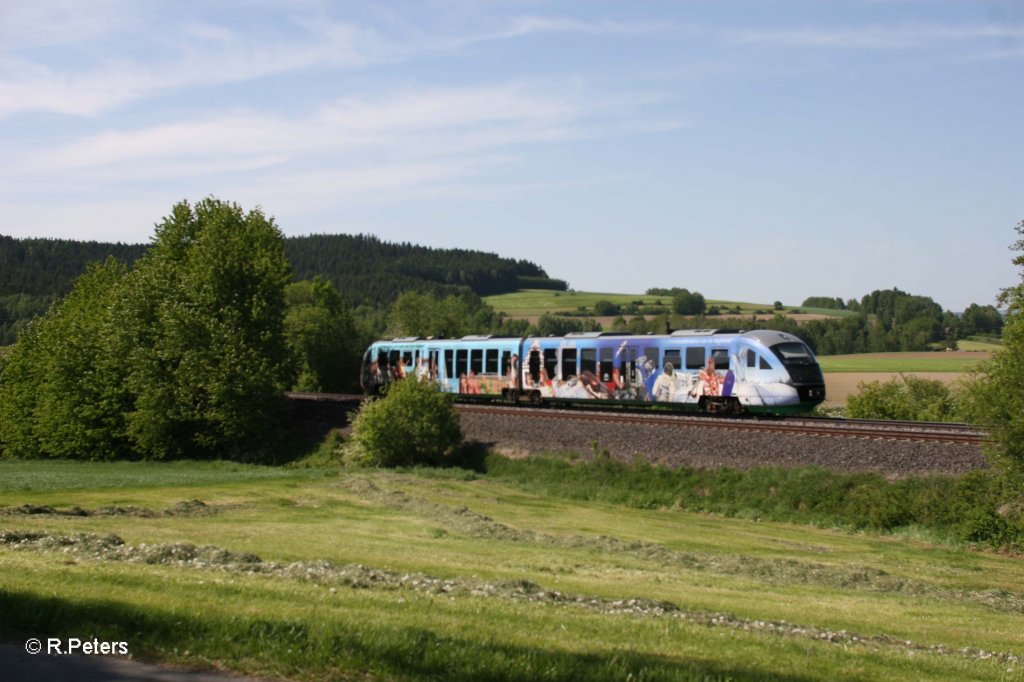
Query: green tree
[[321, 337], [995, 399], [415, 423], [686, 303], [981, 319], [63, 393], [606, 308], [203, 333]]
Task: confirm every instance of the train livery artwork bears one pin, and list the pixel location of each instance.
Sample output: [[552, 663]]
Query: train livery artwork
[[721, 371]]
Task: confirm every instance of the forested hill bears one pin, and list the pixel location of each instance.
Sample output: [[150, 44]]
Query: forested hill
[[47, 267], [369, 271], [366, 270]]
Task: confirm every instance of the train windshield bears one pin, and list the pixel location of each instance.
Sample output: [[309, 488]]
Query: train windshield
[[794, 353]]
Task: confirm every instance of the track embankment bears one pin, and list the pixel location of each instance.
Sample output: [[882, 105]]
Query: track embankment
[[717, 443], [905, 450]]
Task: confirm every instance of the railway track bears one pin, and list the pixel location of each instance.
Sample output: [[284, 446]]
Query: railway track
[[836, 428], [873, 429]]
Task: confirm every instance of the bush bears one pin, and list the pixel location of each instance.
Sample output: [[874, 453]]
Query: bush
[[414, 423], [903, 397]]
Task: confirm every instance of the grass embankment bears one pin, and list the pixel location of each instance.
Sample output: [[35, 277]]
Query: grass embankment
[[513, 574]]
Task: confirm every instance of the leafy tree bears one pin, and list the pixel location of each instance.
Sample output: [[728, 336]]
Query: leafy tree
[[981, 319], [63, 392], [824, 302], [321, 337], [203, 335], [995, 399], [558, 325], [415, 423], [605, 308], [686, 303]]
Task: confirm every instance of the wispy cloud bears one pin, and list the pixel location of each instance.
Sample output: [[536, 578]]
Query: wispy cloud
[[880, 37]]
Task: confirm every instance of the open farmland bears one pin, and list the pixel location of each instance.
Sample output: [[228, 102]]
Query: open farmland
[[845, 373], [382, 575], [532, 303]]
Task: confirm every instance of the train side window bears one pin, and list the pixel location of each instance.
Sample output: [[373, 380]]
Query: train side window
[[476, 361], [588, 360], [764, 363], [721, 358], [695, 357], [460, 362], [675, 357], [491, 361], [506, 359], [627, 363], [751, 358], [607, 363], [652, 355], [449, 357], [568, 363], [550, 362]]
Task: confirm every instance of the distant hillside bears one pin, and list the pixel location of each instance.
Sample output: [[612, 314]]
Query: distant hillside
[[366, 270], [369, 271]]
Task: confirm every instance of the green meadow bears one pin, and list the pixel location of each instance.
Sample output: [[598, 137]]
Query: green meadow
[[534, 302], [902, 362], [313, 574]]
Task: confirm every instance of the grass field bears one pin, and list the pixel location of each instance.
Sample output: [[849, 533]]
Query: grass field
[[453, 575], [957, 361], [534, 302]]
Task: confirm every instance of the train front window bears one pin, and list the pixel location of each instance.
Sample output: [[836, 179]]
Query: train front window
[[793, 353]]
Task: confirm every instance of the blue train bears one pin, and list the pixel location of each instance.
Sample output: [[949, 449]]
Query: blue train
[[710, 370]]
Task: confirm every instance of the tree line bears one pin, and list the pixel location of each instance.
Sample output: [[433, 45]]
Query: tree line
[[363, 269]]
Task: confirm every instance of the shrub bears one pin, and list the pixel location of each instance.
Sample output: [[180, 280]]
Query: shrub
[[414, 423], [903, 397]]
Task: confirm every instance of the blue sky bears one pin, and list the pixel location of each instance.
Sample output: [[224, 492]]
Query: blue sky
[[751, 150]]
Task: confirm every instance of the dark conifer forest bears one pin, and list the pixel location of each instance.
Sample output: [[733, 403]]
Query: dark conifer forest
[[365, 270]]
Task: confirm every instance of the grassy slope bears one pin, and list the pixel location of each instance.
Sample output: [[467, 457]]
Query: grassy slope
[[537, 302], [461, 527]]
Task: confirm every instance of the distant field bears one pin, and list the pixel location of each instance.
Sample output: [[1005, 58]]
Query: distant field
[[979, 345], [536, 302], [955, 361]]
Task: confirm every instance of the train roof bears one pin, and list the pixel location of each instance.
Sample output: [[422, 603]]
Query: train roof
[[768, 337]]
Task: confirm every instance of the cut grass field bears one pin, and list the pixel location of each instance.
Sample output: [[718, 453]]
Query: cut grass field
[[454, 575]]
